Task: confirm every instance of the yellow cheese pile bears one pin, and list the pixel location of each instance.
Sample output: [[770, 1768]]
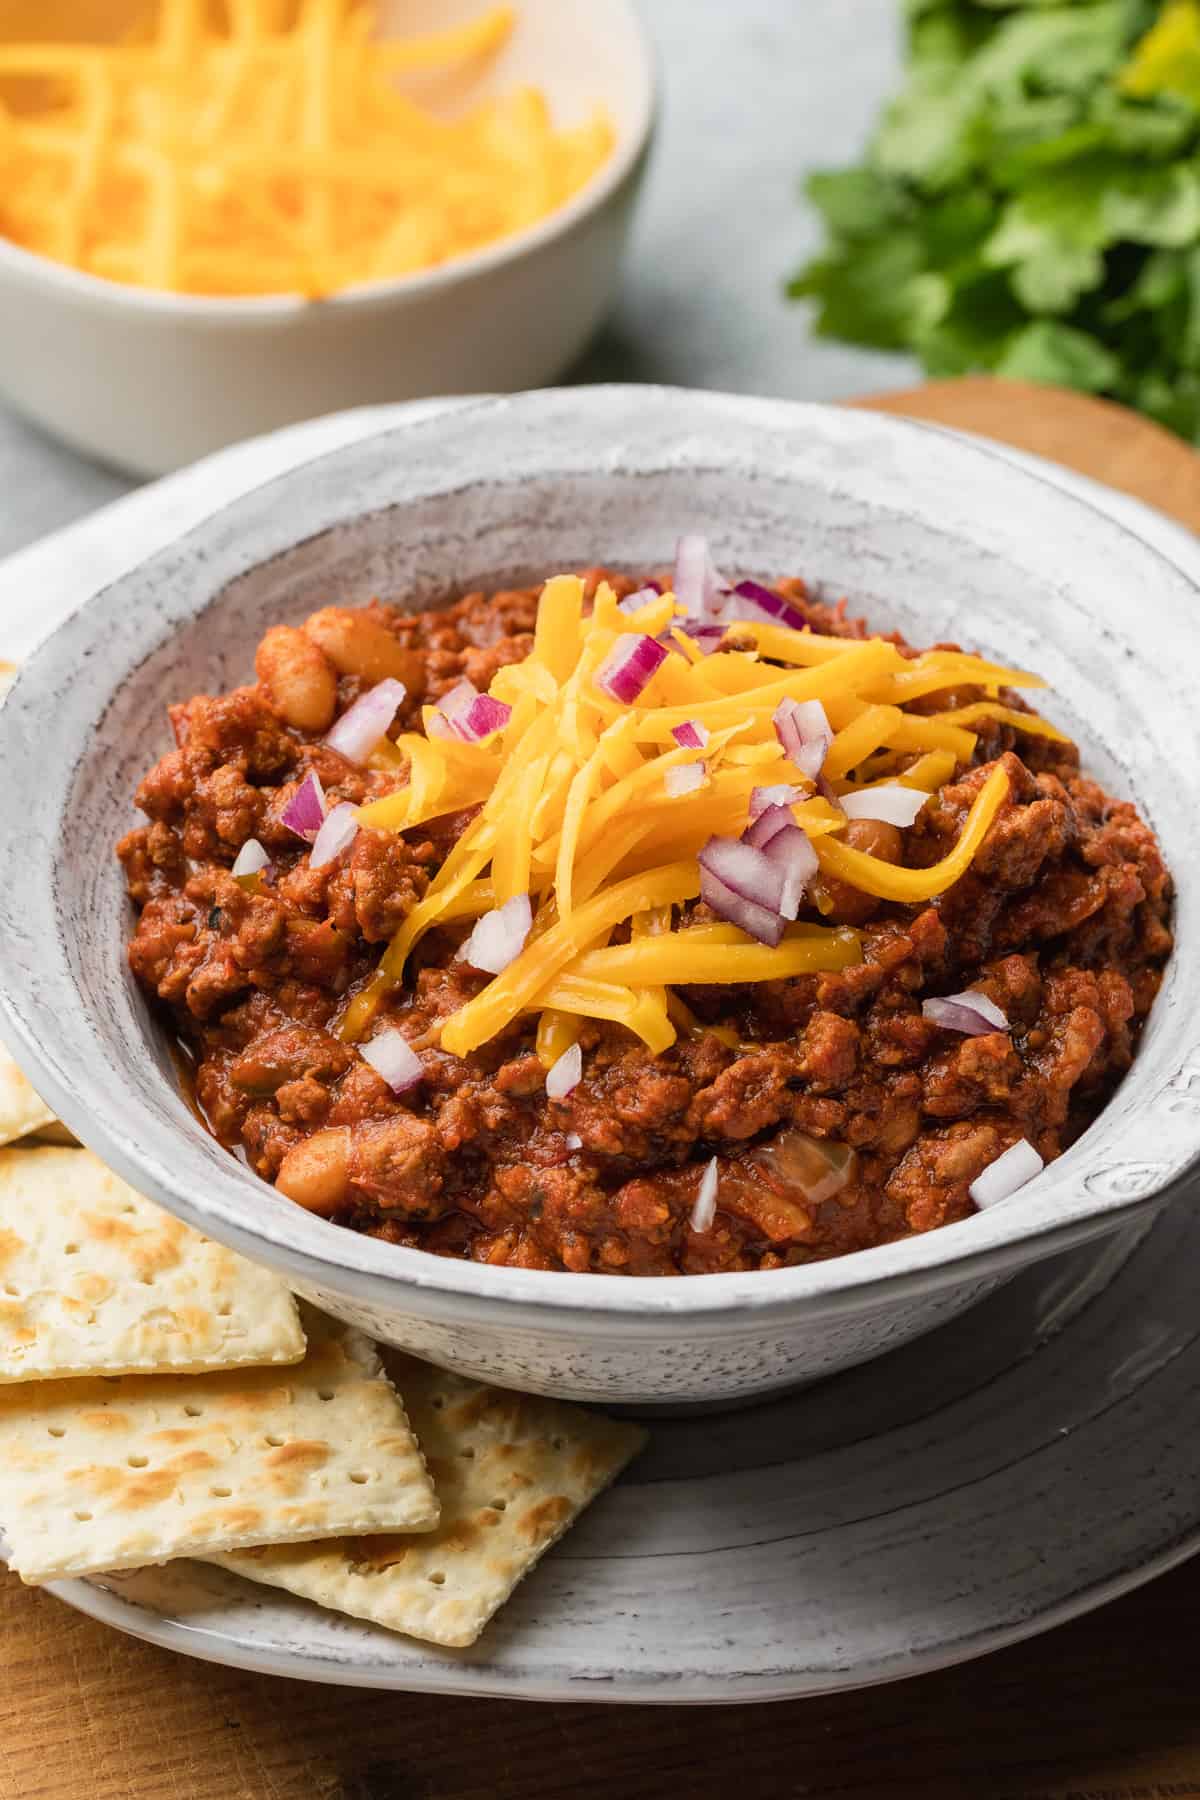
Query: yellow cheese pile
[[277, 156], [578, 812]]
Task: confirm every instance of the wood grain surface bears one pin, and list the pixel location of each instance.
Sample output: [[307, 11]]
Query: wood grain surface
[[1093, 436], [1107, 1708]]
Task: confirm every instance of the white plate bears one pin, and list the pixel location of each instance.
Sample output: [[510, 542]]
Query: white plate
[[1021, 1466]]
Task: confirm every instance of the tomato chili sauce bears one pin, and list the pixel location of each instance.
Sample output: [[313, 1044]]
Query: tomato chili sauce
[[720, 1124]]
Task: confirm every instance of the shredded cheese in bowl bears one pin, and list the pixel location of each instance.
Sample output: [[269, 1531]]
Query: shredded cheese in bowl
[[272, 157], [570, 762]]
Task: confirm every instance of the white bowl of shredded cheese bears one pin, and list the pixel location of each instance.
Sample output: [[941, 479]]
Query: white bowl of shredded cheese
[[134, 371]]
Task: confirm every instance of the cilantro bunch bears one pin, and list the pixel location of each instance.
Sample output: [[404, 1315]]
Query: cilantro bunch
[[1030, 202]]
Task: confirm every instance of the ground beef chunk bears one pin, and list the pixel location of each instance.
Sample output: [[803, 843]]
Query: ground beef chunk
[[381, 882], [838, 1115]]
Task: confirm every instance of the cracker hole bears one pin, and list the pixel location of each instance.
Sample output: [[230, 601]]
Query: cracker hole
[[499, 1505], [221, 1493], [194, 1412], [138, 1462], [274, 1442], [437, 1579], [223, 1312], [467, 1455], [71, 1250], [324, 1393], [556, 1443], [359, 1478], [437, 1402], [83, 1517], [14, 1292], [56, 1431], [129, 1209]]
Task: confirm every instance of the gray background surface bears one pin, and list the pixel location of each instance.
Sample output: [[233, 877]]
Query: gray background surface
[[755, 92]]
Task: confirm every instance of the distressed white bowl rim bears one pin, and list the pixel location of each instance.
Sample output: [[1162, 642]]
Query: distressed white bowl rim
[[588, 430], [268, 310]]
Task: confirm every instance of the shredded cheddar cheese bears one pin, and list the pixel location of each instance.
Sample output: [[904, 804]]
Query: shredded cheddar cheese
[[278, 154], [594, 808]]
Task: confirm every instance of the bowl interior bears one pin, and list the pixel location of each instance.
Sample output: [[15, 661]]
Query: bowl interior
[[917, 530]]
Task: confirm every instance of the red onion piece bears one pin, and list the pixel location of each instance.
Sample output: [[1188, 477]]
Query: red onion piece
[[771, 821], [705, 1209], [743, 885], [707, 637], [564, 1075], [634, 602], [360, 728], [499, 936], [684, 778], [970, 1012], [391, 1055], [252, 859], [796, 860], [572, 1140], [628, 666], [336, 834], [891, 805], [691, 735], [805, 733], [463, 712], [1019, 1164], [698, 587], [305, 811], [781, 840], [756, 604], [781, 794]]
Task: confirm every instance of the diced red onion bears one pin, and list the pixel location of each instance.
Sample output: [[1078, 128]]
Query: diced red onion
[[455, 702], [781, 794], [252, 859], [698, 587], [705, 1209], [485, 717], [776, 833], [305, 811], [891, 804], [684, 778], [770, 821], [391, 1055], [336, 834], [707, 637], [805, 733], [573, 1141], [467, 714], [970, 1012], [691, 735], [754, 603], [795, 859], [1019, 1164], [743, 885], [634, 602], [564, 1075], [628, 666], [499, 936], [359, 730]]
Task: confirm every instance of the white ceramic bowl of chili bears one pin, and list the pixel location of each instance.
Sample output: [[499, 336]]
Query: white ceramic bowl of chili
[[924, 532]]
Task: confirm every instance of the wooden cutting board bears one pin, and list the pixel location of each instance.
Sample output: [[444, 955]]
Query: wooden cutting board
[[1109, 1706]]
